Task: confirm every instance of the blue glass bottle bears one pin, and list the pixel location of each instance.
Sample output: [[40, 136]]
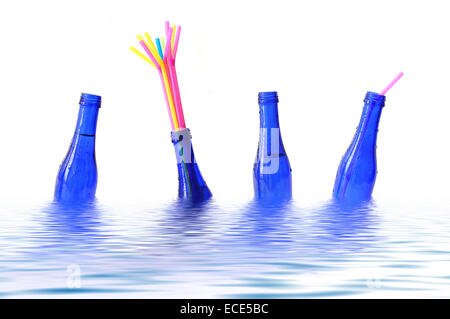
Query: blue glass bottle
[[77, 177], [191, 184], [272, 179], [357, 171]]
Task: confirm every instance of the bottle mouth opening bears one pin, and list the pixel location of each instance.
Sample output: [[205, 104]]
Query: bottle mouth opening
[[372, 96], [90, 99], [183, 134], [267, 97]]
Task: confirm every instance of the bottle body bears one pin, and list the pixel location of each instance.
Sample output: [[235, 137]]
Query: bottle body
[[77, 176], [357, 171], [272, 178], [191, 184]]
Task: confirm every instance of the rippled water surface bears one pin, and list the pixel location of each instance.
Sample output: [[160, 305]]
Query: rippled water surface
[[245, 250]]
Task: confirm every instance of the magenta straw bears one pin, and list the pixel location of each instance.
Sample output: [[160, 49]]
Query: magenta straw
[[176, 90], [392, 83], [175, 44]]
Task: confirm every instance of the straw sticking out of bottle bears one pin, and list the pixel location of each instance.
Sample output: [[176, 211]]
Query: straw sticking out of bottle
[[390, 85], [162, 57]]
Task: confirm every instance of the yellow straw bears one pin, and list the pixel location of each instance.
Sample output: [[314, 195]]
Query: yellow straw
[[163, 44], [173, 35], [142, 56], [150, 41], [151, 48], [169, 96]]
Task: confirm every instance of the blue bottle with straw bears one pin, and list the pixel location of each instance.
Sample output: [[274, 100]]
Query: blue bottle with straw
[[161, 57], [355, 178], [77, 176], [358, 168], [272, 179]]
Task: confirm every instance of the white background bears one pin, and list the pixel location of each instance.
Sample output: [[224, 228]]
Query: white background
[[321, 56]]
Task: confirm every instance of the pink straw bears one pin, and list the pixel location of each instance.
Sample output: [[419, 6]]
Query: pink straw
[[168, 43], [175, 44], [150, 55], [167, 25], [392, 83]]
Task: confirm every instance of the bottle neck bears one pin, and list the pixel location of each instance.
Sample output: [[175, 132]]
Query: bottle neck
[[88, 114], [366, 134], [270, 142], [268, 110], [268, 115], [373, 105], [181, 140], [87, 120]]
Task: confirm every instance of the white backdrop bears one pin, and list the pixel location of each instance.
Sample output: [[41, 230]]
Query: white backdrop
[[321, 56]]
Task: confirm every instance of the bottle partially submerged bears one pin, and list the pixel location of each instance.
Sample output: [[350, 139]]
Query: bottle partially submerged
[[191, 184], [357, 171], [272, 179], [77, 177]]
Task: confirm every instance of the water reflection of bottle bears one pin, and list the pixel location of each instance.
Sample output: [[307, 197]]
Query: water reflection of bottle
[[358, 168], [191, 184], [77, 177], [271, 172]]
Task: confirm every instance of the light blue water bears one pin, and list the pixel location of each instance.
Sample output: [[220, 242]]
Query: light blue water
[[219, 250]]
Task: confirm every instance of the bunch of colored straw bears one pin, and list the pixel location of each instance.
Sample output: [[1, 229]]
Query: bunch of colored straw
[[162, 58]]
